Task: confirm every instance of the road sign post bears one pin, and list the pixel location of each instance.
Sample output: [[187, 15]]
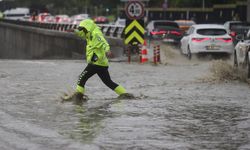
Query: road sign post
[[134, 30], [134, 10]]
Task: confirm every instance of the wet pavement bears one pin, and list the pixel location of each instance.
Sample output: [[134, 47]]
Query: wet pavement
[[172, 109]]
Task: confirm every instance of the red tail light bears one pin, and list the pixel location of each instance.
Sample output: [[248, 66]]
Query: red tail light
[[158, 32], [227, 40], [233, 33], [175, 33], [200, 39]]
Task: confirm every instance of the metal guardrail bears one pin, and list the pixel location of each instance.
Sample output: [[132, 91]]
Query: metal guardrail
[[112, 30], [108, 30]]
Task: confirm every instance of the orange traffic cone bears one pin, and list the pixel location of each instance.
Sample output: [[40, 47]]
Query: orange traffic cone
[[144, 53]]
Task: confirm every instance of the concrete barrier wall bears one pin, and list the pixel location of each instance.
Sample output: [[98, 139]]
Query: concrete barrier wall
[[23, 42]]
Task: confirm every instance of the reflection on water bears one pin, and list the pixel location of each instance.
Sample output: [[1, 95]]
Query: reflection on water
[[196, 126], [214, 126], [91, 120]]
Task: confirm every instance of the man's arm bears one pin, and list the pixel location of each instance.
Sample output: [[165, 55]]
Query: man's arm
[[79, 33], [99, 42]]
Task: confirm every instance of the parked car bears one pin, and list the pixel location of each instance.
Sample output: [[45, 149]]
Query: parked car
[[206, 38], [41, 17], [185, 24], [101, 19], [62, 19], [120, 22], [49, 19], [240, 30], [242, 52], [165, 30], [17, 14], [76, 19]]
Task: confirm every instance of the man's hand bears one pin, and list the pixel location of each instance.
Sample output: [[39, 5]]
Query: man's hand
[[109, 54]]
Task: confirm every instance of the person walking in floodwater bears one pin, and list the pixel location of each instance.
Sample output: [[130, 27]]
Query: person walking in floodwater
[[97, 51]]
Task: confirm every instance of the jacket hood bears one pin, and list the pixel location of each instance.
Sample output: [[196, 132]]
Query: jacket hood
[[88, 24]]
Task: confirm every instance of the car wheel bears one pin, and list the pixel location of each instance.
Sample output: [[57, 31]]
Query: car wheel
[[235, 59], [189, 55]]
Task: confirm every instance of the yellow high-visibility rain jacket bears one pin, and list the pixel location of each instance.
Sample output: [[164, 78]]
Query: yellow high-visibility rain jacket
[[96, 43]]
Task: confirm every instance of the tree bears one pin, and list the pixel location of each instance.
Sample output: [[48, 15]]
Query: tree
[[188, 3], [92, 6]]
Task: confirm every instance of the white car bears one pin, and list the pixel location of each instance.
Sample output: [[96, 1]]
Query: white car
[[230, 24], [206, 38], [76, 19], [42, 16], [62, 19], [17, 14], [49, 19], [242, 53], [120, 22]]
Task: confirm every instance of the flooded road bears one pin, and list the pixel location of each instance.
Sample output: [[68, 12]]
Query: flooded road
[[173, 110]]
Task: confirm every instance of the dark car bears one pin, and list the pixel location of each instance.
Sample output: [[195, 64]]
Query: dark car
[[240, 30], [165, 30], [235, 28], [185, 24]]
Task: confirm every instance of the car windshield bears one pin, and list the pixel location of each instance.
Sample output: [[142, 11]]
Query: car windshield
[[166, 24], [164, 28], [189, 23], [236, 25], [211, 31], [241, 29]]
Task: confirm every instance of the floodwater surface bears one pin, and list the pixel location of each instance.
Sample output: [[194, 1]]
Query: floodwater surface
[[172, 110]]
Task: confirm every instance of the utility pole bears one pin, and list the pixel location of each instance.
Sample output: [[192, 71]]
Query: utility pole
[[248, 10], [86, 7], [203, 5]]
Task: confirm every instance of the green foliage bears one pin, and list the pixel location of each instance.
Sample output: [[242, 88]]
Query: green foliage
[[188, 3], [98, 7]]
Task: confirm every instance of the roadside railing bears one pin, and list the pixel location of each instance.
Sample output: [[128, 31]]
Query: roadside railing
[[113, 31]]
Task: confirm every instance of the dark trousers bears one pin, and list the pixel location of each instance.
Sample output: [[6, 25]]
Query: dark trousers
[[101, 71]]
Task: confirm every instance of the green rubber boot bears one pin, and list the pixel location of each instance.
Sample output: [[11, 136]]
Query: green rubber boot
[[77, 98], [126, 96]]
